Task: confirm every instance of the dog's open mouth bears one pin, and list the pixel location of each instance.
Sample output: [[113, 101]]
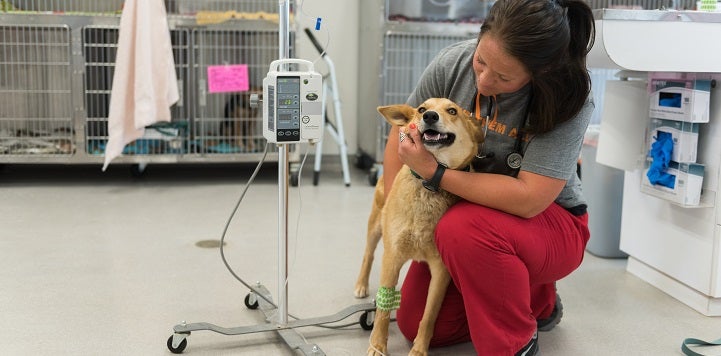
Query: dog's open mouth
[[435, 138]]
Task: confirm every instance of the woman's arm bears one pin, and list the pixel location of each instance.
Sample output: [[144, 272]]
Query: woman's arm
[[526, 196]]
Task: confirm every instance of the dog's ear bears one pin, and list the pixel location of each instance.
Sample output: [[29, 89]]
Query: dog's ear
[[480, 135], [398, 115], [478, 132]]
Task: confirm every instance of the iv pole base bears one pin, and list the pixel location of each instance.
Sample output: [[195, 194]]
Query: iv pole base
[[178, 341]]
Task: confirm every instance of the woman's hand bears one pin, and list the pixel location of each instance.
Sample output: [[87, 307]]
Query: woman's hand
[[413, 154]]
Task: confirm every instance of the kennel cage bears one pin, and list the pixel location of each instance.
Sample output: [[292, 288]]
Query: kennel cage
[[57, 63], [411, 33], [99, 45], [35, 67]]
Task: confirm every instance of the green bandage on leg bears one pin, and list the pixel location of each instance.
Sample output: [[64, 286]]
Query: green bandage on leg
[[388, 299]]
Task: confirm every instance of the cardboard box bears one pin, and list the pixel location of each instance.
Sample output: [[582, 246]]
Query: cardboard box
[[680, 99], [687, 187], [684, 136]]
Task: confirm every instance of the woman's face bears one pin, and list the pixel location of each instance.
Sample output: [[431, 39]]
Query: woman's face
[[496, 71]]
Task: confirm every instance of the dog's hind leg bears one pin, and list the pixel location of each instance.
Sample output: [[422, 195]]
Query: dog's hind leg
[[374, 235], [436, 292]]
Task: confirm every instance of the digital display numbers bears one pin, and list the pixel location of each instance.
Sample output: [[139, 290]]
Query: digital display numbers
[[290, 85], [285, 102]]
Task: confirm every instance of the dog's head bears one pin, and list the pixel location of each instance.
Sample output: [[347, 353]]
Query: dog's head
[[448, 131]]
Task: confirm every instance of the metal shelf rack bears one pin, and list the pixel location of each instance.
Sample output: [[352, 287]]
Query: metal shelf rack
[[57, 66]]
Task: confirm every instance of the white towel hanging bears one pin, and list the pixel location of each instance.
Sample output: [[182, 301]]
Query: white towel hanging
[[144, 83]]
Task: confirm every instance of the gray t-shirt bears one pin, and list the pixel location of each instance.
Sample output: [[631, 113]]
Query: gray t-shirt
[[553, 154]]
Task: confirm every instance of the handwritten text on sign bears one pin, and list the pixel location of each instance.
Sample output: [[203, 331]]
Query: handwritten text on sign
[[228, 78]]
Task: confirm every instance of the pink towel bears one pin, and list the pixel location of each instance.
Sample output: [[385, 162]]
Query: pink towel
[[144, 84]]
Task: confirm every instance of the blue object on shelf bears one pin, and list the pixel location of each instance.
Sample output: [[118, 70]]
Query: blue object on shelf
[[661, 154]]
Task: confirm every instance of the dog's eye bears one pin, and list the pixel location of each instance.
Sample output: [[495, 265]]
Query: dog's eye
[[452, 111], [421, 110]]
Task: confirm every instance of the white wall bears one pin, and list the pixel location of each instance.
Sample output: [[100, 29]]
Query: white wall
[[339, 29]]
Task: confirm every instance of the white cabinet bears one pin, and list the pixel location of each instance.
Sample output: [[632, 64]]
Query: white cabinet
[[675, 248]]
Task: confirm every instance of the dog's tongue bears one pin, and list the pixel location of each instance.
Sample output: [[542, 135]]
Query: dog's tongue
[[431, 136]]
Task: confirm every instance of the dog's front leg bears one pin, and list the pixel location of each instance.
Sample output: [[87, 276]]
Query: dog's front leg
[[436, 292], [390, 270]]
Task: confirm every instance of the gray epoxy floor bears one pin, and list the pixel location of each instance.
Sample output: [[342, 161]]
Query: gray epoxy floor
[[96, 263]]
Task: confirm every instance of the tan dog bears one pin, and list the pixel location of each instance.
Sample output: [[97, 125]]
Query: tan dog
[[407, 219]]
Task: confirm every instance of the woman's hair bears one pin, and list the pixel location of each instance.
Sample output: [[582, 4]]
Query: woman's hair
[[551, 38]]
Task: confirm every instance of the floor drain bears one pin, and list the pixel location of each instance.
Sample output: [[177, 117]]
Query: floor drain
[[209, 243]]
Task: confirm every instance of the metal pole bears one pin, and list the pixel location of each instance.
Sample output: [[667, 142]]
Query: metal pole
[[283, 53], [283, 29]]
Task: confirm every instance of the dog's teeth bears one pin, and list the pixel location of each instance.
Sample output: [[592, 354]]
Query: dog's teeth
[[430, 137]]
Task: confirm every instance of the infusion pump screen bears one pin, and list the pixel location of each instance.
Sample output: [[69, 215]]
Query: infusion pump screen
[[288, 108]]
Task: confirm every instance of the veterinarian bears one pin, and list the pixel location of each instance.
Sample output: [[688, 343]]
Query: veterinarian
[[522, 223]]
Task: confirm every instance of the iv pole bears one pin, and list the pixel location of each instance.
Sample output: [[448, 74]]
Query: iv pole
[[277, 316], [283, 151]]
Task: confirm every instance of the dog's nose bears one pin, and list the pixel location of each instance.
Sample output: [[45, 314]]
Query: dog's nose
[[430, 117]]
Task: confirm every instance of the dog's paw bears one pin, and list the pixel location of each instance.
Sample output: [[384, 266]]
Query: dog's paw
[[377, 350], [420, 347], [361, 291], [415, 351]]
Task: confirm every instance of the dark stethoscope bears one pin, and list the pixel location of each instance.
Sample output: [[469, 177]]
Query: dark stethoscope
[[486, 161]]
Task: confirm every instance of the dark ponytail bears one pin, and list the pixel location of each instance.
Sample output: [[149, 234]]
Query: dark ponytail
[[582, 27], [551, 38]]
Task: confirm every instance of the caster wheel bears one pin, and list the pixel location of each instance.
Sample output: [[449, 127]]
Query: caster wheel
[[180, 348], [251, 304], [366, 322], [373, 177], [364, 161]]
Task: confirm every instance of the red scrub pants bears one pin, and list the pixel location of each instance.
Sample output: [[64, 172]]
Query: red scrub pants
[[504, 270]]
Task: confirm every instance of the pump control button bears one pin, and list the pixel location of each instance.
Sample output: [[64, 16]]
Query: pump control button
[[312, 96]]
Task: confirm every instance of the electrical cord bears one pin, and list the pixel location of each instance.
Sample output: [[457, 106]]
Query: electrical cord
[[227, 224], [297, 221], [230, 219]]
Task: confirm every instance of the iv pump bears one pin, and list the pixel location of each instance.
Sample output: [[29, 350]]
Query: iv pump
[[292, 103]]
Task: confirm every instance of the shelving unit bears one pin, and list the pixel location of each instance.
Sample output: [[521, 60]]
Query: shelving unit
[[57, 67], [675, 248]]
